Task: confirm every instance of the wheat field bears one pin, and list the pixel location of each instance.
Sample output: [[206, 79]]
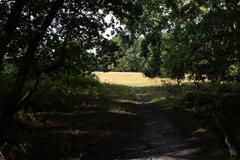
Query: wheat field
[[131, 79]]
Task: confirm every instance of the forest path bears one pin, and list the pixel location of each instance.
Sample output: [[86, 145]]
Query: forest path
[[162, 140], [104, 128]]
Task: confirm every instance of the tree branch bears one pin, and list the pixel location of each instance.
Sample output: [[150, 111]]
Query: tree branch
[[10, 27], [62, 52], [30, 92], [11, 108]]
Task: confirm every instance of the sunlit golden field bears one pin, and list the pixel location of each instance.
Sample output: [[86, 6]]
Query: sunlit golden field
[[131, 79]]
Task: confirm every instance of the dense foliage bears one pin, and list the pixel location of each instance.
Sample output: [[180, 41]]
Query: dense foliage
[[127, 57], [38, 38], [195, 38]]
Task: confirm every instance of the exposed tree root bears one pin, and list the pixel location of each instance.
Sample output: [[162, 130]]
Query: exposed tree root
[[232, 151], [1, 156]]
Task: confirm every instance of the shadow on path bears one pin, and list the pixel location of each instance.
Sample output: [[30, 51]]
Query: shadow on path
[[162, 141], [104, 128]]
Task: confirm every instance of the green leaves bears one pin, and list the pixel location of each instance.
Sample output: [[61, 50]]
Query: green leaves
[[199, 39]]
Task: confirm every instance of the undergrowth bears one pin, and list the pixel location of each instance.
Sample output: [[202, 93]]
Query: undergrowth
[[72, 115], [221, 100]]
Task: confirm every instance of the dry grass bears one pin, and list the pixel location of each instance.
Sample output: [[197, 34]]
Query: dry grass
[[135, 79]]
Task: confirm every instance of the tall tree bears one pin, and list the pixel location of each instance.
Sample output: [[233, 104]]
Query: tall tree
[[11, 108], [42, 30], [8, 30]]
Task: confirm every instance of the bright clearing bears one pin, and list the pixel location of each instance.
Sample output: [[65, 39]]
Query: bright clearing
[[130, 79]]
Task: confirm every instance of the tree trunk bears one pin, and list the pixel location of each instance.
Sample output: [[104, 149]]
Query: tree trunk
[[1, 156], [11, 108], [232, 151], [10, 27]]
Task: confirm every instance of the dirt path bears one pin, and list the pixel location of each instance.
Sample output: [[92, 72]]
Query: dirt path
[[162, 141], [103, 128]]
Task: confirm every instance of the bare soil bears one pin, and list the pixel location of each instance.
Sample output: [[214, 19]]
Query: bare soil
[[162, 140]]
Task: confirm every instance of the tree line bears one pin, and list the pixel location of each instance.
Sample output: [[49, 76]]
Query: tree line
[[194, 38]]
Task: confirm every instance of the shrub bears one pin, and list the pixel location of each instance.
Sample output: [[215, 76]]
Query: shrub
[[222, 99]]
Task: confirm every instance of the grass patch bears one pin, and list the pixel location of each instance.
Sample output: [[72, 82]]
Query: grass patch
[[133, 79], [118, 91]]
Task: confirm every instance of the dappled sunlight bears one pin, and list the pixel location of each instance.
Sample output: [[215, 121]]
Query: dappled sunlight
[[200, 131], [121, 100], [127, 121], [124, 101], [158, 100], [83, 129], [179, 154], [119, 111]]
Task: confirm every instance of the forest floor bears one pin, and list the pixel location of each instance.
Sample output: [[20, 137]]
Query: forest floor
[[122, 122]]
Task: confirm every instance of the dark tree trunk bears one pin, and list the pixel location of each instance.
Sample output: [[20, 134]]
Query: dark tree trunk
[[10, 27], [12, 108], [55, 66]]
